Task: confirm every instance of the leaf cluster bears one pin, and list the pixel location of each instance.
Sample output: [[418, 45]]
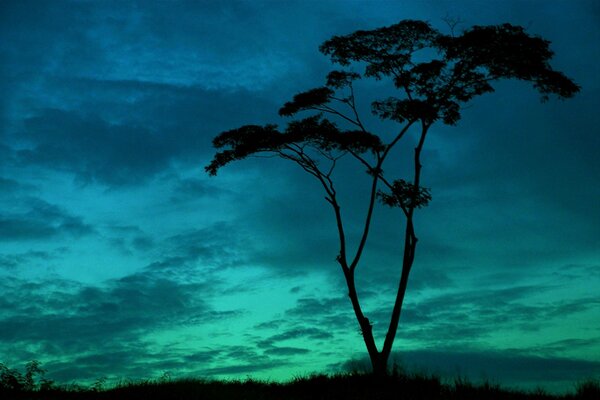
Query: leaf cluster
[[506, 51], [405, 195], [438, 73], [305, 100], [341, 79], [316, 132]]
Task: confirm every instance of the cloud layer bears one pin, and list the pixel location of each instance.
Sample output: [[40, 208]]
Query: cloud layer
[[119, 257]]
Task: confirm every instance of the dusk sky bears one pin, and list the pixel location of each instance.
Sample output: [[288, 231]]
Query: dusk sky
[[121, 258]]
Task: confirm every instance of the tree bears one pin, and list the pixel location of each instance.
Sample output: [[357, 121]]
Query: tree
[[435, 76]]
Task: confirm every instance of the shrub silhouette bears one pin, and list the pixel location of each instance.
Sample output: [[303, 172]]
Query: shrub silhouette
[[34, 379]]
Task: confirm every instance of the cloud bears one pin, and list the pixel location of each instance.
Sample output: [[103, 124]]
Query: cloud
[[210, 246], [517, 171], [129, 142], [577, 271], [86, 316], [285, 351], [505, 367], [316, 307], [118, 107], [100, 327], [130, 239], [194, 189], [13, 261], [565, 346], [313, 319], [9, 185], [245, 368], [139, 42], [484, 313], [41, 220], [94, 149], [202, 356], [291, 333], [111, 326], [459, 319], [312, 333]]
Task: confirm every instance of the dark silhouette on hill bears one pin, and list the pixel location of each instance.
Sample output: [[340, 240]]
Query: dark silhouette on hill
[[435, 75], [354, 386]]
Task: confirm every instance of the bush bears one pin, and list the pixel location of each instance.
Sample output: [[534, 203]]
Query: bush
[[589, 389], [12, 380]]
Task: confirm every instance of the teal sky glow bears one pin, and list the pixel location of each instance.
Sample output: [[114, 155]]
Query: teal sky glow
[[120, 257]]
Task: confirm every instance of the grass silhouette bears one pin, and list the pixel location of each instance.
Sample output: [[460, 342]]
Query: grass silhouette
[[350, 386]]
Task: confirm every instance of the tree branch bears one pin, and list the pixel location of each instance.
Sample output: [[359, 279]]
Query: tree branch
[[396, 139], [352, 105], [310, 166], [365, 234], [330, 110], [410, 244]]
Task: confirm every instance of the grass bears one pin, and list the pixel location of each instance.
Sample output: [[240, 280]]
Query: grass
[[353, 386]]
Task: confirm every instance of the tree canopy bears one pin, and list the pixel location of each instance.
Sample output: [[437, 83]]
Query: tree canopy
[[435, 73]]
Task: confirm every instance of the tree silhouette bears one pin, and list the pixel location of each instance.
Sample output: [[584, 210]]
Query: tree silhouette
[[435, 75]]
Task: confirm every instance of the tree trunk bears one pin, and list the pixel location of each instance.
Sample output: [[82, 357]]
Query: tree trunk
[[379, 364]]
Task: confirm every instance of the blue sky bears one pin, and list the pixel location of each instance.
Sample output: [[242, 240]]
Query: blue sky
[[120, 257]]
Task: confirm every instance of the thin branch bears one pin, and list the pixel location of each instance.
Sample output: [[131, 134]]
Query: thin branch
[[340, 99], [333, 163], [333, 111], [310, 166], [396, 139], [361, 159], [352, 105], [263, 155], [365, 234]]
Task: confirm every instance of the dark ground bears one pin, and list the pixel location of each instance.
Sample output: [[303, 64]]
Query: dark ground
[[347, 387]]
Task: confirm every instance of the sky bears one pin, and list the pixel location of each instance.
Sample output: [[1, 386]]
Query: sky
[[121, 258]]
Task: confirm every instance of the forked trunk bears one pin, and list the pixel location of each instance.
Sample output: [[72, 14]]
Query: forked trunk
[[379, 364], [378, 359]]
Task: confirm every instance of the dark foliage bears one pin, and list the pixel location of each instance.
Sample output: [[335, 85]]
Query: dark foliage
[[405, 195], [352, 386], [384, 50], [404, 110], [313, 132], [306, 100], [460, 68], [340, 79], [12, 380]]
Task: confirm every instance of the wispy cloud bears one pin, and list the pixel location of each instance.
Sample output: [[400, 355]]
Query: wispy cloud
[[40, 220]]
